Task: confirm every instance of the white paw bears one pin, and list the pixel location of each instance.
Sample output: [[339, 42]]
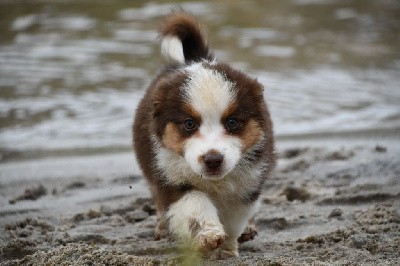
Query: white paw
[[207, 236]]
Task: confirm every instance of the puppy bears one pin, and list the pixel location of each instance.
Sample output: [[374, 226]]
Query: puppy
[[204, 140]]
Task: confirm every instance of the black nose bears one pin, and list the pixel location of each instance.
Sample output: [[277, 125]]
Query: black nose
[[213, 160]]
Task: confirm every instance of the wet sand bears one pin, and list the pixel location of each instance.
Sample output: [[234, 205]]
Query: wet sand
[[332, 200]]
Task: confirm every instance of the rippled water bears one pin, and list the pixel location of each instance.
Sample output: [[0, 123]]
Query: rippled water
[[72, 72]]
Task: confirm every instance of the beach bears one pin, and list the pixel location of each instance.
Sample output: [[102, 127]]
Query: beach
[[331, 200]]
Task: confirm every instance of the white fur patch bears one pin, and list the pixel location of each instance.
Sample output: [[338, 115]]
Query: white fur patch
[[210, 94], [172, 49], [208, 91]]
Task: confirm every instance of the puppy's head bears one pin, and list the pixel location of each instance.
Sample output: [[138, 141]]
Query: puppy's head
[[210, 115]]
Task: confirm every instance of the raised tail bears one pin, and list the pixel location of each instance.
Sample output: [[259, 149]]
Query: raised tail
[[183, 40]]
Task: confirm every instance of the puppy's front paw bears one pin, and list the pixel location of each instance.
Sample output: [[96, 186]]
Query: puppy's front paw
[[207, 235], [210, 239]]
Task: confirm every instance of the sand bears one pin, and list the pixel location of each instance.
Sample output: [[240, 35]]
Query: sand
[[333, 200]]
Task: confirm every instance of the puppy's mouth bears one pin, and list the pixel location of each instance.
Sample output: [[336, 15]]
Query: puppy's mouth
[[213, 172], [213, 175]]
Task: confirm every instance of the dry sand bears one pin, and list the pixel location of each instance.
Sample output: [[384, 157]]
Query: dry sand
[[333, 200]]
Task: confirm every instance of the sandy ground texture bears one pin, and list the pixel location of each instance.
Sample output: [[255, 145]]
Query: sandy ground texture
[[331, 201]]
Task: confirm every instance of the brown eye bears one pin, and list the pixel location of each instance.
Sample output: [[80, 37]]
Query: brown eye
[[232, 124], [189, 125]]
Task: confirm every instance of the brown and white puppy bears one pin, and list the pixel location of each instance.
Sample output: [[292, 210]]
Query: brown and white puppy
[[203, 138]]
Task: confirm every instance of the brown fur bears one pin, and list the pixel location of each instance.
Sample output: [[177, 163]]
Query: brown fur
[[252, 133], [229, 111], [173, 138]]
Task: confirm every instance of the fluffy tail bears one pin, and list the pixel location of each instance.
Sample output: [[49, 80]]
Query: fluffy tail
[[183, 40]]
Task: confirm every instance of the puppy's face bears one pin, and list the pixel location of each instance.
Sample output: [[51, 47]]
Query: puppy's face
[[210, 115]]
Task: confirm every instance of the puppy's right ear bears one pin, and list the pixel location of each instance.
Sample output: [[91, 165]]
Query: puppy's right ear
[[167, 89], [158, 97]]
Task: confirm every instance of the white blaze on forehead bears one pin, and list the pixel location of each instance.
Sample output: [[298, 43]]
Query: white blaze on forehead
[[208, 91]]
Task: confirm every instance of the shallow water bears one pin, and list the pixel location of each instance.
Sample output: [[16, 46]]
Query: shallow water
[[72, 72]]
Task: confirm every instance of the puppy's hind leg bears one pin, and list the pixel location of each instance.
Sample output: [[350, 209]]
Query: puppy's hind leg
[[161, 230], [194, 219], [249, 233]]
